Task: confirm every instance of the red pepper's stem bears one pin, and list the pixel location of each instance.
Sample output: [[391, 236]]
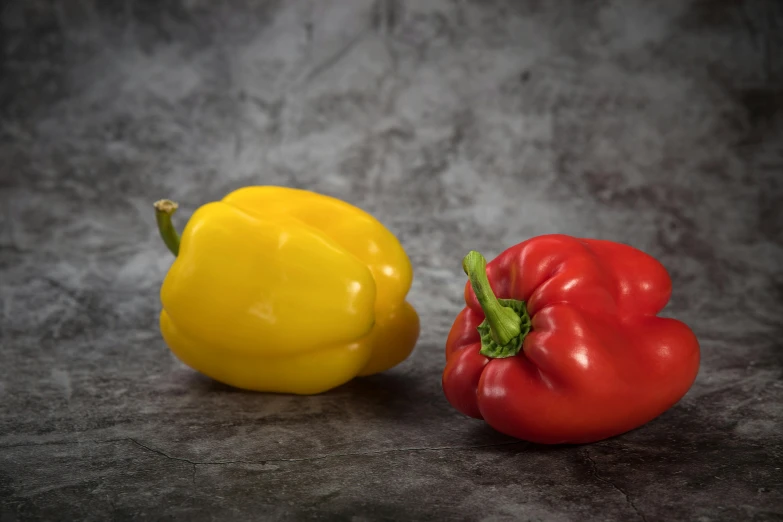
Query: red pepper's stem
[[503, 321], [164, 209]]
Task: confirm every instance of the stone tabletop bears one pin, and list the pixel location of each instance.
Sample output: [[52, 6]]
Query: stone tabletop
[[460, 125]]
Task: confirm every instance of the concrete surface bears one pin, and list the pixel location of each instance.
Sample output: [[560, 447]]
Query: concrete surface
[[460, 125]]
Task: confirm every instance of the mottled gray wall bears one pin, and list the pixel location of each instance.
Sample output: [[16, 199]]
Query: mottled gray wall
[[461, 125]]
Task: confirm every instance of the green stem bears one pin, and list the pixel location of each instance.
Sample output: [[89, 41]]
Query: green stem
[[506, 321], [164, 209]]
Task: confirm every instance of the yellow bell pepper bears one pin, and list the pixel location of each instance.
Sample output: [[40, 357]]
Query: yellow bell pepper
[[285, 290]]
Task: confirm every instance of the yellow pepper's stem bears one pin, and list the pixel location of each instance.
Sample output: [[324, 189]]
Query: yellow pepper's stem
[[164, 209]]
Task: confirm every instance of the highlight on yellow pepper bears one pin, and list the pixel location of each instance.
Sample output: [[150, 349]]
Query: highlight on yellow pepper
[[285, 290]]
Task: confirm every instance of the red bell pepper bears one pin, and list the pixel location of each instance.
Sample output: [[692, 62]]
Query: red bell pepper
[[573, 351]]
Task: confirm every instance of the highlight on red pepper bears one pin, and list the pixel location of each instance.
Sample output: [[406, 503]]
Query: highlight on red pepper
[[561, 341]]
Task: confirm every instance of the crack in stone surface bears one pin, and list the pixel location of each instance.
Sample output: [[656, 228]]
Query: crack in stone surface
[[164, 454], [594, 471]]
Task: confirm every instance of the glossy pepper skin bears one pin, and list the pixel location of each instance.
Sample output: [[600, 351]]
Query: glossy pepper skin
[[284, 290], [583, 358]]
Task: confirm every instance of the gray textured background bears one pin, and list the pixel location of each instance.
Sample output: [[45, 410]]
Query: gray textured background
[[460, 125]]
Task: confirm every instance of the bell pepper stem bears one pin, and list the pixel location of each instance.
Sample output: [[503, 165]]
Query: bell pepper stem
[[504, 322], [164, 209]]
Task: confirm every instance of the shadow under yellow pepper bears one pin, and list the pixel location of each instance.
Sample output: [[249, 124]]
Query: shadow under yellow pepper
[[285, 290]]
